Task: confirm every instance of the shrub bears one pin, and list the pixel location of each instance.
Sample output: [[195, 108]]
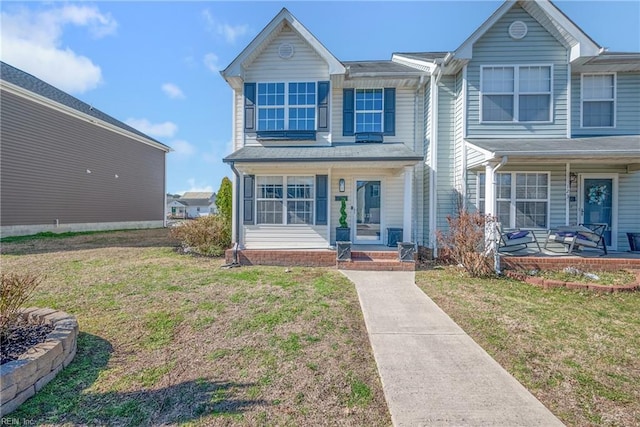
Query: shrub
[[464, 243], [208, 235], [224, 199], [16, 290]]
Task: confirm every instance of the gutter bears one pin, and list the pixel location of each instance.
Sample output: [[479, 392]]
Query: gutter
[[236, 220]]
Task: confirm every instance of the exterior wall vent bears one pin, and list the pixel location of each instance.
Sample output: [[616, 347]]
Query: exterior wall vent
[[285, 50], [517, 30]]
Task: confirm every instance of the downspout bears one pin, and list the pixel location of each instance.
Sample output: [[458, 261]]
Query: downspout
[[416, 144], [567, 183], [165, 209], [433, 166], [493, 232], [236, 220]]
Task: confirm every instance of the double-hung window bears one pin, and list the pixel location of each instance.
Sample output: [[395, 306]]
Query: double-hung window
[[286, 106], [369, 110], [522, 198], [516, 93], [598, 100], [274, 205]]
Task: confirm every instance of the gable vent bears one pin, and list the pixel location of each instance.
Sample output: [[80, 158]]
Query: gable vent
[[517, 30], [285, 50]]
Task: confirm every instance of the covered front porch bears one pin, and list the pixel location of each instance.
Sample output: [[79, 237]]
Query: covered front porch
[[542, 184], [291, 198]]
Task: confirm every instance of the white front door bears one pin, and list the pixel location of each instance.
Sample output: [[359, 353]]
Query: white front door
[[368, 211], [598, 204]]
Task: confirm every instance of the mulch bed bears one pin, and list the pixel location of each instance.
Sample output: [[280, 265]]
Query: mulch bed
[[20, 338]]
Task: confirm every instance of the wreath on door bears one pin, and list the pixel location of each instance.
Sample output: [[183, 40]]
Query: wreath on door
[[597, 194]]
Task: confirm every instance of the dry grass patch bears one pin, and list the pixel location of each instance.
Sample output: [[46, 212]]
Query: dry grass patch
[[173, 339], [578, 352]]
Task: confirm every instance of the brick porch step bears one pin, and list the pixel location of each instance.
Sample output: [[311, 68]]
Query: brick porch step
[[375, 261]]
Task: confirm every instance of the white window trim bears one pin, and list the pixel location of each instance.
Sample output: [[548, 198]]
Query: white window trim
[[512, 200], [615, 99], [285, 200], [516, 93], [356, 111], [286, 105]]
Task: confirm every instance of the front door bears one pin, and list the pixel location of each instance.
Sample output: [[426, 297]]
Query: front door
[[368, 209], [599, 204]]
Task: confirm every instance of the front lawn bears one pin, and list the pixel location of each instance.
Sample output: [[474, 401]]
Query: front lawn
[[174, 339], [578, 352]]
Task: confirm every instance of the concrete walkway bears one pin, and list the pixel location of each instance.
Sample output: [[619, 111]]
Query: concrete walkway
[[432, 372]]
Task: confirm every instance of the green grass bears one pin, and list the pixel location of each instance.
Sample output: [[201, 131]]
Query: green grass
[[173, 339], [577, 351]]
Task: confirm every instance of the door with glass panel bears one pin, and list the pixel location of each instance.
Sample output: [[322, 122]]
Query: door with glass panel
[[598, 203], [368, 209]]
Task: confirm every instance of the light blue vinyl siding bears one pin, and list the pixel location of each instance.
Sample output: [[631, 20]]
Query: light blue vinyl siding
[[446, 151], [627, 107], [538, 47], [628, 207]]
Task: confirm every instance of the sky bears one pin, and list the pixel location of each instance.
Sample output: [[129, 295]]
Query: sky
[[156, 65]]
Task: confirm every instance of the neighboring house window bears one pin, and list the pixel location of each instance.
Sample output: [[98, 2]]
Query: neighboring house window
[[522, 199], [289, 106], [369, 110], [293, 206], [516, 93], [598, 100]]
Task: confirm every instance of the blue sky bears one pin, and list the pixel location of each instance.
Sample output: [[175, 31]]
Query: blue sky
[[155, 65]]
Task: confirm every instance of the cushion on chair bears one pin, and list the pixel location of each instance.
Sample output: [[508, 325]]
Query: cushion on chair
[[517, 234]]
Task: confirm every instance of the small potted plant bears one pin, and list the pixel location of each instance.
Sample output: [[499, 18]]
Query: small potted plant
[[343, 233]]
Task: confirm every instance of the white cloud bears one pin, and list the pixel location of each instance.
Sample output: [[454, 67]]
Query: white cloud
[[196, 186], [161, 130], [229, 32], [182, 147], [32, 41], [211, 61], [172, 91]]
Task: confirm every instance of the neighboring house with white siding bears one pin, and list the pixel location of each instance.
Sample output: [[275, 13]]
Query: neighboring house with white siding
[[528, 103], [198, 203], [67, 166]]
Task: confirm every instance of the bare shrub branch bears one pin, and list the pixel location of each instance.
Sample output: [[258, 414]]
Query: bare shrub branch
[[208, 235], [16, 290], [464, 243]]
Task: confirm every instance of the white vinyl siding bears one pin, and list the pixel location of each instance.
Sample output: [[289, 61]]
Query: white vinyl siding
[[267, 236], [537, 48], [405, 115], [598, 100]]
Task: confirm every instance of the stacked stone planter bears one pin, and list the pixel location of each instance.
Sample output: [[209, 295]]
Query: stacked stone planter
[[22, 378]]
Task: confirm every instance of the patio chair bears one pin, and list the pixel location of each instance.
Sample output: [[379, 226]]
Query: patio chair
[[579, 237], [514, 240]]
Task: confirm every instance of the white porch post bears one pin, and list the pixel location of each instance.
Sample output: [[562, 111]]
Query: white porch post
[[567, 180], [489, 190], [408, 204]]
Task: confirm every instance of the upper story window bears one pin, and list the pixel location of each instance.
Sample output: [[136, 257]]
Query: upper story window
[[286, 110], [598, 100], [369, 113], [289, 106], [516, 93], [369, 110]]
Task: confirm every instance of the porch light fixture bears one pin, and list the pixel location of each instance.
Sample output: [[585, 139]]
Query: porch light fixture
[[341, 185]]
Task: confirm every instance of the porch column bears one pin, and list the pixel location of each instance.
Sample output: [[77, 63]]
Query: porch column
[[408, 204], [489, 190]]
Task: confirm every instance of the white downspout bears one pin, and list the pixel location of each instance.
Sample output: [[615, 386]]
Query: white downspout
[[433, 166], [491, 238], [567, 180]]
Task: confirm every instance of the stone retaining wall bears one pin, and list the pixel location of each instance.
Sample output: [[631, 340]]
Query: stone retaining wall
[[22, 378]]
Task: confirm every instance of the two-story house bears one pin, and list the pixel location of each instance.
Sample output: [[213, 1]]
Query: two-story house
[[529, 120]]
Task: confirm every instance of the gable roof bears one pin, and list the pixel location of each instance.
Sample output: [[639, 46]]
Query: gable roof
[[197, 195], [549, 16], [27, 82], [234, 73]]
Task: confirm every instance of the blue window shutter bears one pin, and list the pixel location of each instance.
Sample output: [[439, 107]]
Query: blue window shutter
[[321, 199], [250, 107], [389, 111], [348, 118], [323, 106], [248, 206]]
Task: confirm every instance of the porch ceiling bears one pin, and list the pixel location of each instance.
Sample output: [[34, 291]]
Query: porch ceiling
[[610, 149], [391, 154]]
